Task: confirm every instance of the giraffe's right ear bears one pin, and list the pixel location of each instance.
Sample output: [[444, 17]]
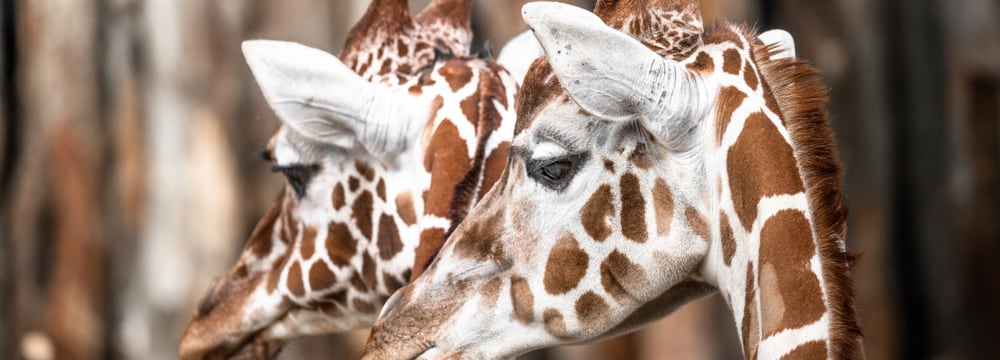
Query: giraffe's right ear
[[322, 99], [612, 75]]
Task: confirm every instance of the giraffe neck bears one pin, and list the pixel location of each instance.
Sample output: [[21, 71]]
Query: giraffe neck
[[778, 251]]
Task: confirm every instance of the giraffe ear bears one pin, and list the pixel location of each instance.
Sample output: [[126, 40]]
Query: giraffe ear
[[320, 98], [613, 75], [518, 54], [781, 42]]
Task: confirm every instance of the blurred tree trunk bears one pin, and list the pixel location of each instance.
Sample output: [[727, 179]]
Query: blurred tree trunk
[[7, 302], [56, 228], [971, 43]]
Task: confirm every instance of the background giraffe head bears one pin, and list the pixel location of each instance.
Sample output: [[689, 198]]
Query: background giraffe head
[[651, 164], [385, 148]]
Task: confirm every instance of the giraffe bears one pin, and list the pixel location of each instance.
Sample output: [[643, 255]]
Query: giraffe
[[653, 162], [385, 148]]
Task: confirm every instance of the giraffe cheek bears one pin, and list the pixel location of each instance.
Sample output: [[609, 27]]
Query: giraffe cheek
[[566, 266]]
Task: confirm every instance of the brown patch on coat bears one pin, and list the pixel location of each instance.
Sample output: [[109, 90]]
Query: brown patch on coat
[[340, 244], [260, 239], [430, 242], [294, 280], [807, 351], [791, 294], [702, 63], [621, 278], [750, 325], [728, 241], [457, 73], [391, 283], [555, 324], [380, 189], [609, 165], [389, 242], [591, 309], [663, 204], [732, 61], [699, 225], [365, 170], [493, 169], [491, 292], [338, 196], [479, 240], [404, 208], [730, 98], [358, 283], [308, 245], [368, 273], [538, 90], [320, 276], [363, 306], [633, 213], [760, 164], [361, 212], [640, 157], [721, 35], [750, 76], [523, 299], [595, 212], [470, 107], [447, 160], [566, 265], [353, 184]]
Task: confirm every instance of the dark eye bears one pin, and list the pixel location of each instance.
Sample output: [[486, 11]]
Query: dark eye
[[558, 170], [556, 173], [298, 176]]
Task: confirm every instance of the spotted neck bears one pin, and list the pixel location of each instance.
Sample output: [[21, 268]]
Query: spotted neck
[[778, 252]]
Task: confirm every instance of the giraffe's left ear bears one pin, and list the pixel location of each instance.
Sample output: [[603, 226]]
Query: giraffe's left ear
[[614, 76], [518, 54], [322, 99]]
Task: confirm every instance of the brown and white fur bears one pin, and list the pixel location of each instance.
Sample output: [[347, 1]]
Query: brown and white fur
[[385, 149], [653, 162]]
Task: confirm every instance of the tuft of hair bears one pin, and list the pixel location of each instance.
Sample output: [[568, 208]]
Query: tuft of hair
[[801, 95]]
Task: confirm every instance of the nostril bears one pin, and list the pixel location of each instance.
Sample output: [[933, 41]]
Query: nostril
[[391, 303]]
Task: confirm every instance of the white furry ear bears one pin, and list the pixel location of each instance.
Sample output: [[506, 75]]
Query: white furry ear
[[319, 97], [518, 54], [782, 41], [614, 76]]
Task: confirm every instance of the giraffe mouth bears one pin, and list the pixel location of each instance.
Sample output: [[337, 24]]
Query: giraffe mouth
[[432, 352]]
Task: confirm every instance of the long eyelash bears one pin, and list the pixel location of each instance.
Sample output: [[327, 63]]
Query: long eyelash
[[265, 155], [298, 176]]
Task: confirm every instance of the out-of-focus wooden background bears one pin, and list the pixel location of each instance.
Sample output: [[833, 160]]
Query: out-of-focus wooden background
[[128, 179]]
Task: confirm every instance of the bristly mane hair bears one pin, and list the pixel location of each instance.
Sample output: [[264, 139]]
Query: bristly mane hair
[[801, 95]]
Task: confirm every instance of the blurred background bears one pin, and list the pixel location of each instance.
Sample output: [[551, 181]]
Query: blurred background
[[128, 175]]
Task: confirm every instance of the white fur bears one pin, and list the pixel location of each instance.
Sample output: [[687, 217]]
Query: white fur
[[518, 54], [322, 99], [785, 43]]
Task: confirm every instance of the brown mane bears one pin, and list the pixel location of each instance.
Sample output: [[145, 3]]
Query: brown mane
[[801, 96]]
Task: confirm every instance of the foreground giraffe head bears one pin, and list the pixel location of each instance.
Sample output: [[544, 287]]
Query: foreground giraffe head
[[385, 149], [653, 162]]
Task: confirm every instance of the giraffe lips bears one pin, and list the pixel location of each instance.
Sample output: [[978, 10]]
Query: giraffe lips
[[431, 353]]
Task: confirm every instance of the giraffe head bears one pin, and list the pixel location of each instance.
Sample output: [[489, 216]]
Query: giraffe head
[[649, 163], [385, 148]]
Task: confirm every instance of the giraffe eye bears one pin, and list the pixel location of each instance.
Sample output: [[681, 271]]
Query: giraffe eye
[[298, 176], [555, 173], [558, 170]]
